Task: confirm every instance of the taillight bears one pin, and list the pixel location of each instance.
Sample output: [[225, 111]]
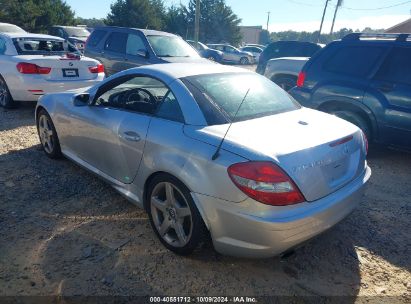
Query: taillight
[[365, 142], [265, 182], [30, 68], [97, 69], [301, 79]]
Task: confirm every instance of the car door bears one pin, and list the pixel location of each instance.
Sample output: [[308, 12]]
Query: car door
[[391, 86], [232, 54], [114, 53], [136, 51], [110, 134]]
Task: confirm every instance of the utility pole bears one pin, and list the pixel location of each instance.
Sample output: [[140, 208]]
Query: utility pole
[[268, 19], [322, 19], [335, 14], [197, 22]]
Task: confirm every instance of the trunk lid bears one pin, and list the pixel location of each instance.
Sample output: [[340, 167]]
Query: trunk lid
[[62, 68], [307, 144]]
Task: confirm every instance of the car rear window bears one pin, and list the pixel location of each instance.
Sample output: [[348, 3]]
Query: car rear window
[[96, 37], [224, 93], [353, 60], [39, 46]]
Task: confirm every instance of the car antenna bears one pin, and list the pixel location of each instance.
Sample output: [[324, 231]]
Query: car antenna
[[217, 152]]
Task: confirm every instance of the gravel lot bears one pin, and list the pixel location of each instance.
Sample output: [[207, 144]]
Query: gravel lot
[[65, 232]]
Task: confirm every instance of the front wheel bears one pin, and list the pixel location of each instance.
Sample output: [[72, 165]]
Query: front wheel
[[48, 135], [244, 61], [174, 216]]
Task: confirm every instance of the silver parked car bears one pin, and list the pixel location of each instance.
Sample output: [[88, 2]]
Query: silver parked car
[[233, 55], [212, 150]]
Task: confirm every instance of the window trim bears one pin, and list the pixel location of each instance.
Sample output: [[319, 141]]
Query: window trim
[[119, 80]]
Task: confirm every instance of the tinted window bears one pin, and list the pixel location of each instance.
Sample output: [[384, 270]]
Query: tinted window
[[170, 109], [96, 37], [397, 66], [171, 46], [116, 42], [134, 44], [226, 92], [2, 46], [353, 60]]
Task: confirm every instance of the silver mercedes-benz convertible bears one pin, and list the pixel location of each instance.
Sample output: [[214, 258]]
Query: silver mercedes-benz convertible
[[212, 151]]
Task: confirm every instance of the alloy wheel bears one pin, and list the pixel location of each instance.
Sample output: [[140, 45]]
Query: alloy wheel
[[46, 134], [171, 214]]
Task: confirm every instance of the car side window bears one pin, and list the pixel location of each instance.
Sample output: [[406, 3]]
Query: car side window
[[95, 37], [353, 60], [170, 109], [2, 46], [116, 42], [396, 67], [140, 94], [134, 44]]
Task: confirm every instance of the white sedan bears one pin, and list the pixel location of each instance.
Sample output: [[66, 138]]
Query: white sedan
[[32, 65]]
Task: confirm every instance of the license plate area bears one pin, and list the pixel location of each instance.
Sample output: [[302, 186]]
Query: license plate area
[[70, 72]]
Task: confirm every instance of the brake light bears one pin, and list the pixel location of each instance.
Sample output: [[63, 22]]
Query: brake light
[[30, 68], [301, 79], [265, 182], [97, 69]]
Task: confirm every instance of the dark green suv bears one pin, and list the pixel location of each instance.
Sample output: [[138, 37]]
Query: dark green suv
[[365, 79]]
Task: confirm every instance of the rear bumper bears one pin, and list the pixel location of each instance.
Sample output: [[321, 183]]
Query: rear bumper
[[21, 91], [252, 229]]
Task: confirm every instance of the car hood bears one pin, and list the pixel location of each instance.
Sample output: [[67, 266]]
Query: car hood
[[301, 142]]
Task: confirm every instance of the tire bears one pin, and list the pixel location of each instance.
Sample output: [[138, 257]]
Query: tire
[[48, 135], [174, 216], [6, 101], [244, 61], [285, 82], [356, 120]]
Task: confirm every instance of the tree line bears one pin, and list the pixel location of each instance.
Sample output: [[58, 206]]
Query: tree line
[[218, 22]]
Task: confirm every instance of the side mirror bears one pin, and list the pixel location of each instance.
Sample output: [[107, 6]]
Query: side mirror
[[81, 100], [142, 53]]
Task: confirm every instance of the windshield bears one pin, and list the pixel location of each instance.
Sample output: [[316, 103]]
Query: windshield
[[38, 46], [225, 92], [171, 46], [10, 28], [77, 32]]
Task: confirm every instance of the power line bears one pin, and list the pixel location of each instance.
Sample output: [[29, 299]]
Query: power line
[[352, 8]]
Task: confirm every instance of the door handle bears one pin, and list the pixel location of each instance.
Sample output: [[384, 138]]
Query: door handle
[[131, 136]]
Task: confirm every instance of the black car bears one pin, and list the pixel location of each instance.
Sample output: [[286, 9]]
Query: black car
[[75, 35], [365, 79], [119, 48], [280, 49], [206, 52]]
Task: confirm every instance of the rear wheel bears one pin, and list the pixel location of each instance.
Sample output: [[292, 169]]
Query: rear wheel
[[174, 216], [48, 135], [355, 119], [6, 101], [244, 61], [285, 82]]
